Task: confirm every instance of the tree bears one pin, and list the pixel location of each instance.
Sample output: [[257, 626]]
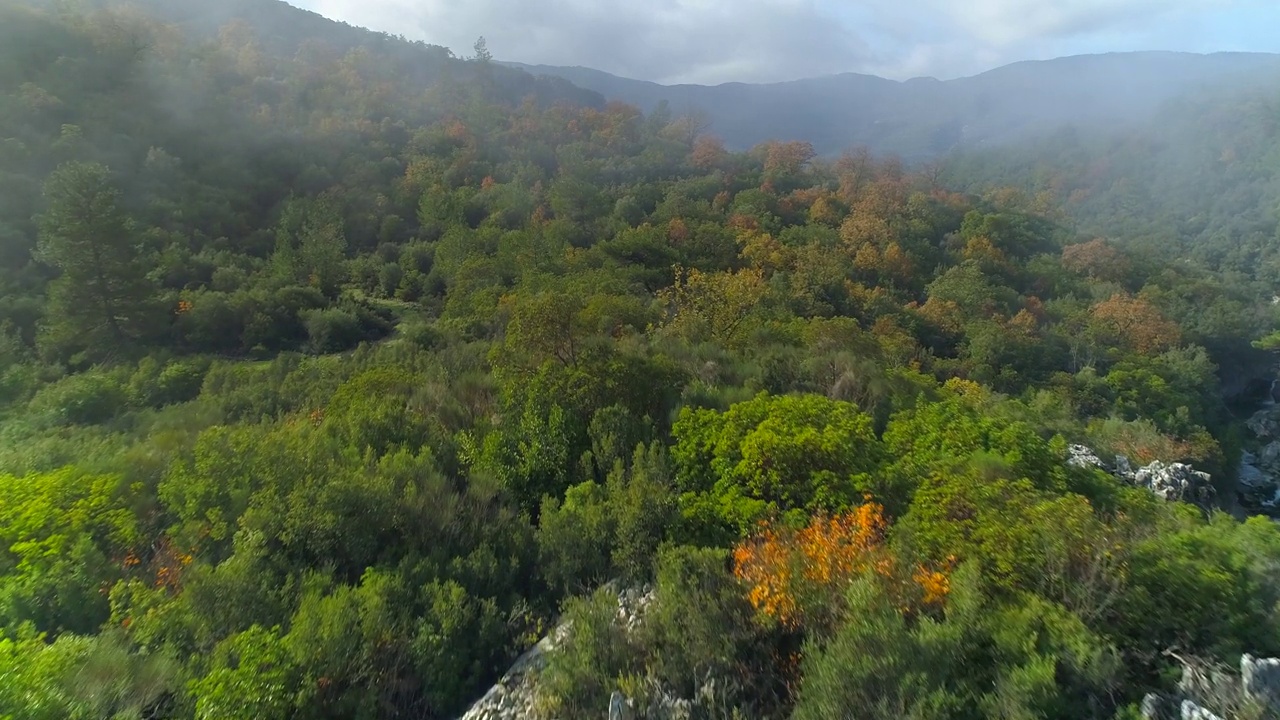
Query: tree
[[1133, 323], [1097, 259], [311, 245], [773, 455], [482, 50], [712, 304], [253, 676], [99, 301]]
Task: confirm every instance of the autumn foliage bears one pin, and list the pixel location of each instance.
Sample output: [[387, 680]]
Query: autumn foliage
[[791, 574], [1135, 323]]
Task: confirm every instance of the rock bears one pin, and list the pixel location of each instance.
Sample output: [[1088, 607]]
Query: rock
[[1192, 711], [1082, 456], [1269, 456], [1265, 423], [1124, 468], [515, 695], [1250, 475], [1204, 690], [1173, 482], [1176, 481], [1153, 707], [1261, 679], [1258, 488], [620, 707]]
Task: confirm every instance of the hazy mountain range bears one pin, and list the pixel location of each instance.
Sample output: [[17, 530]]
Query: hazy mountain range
[[917, 119], [924, 117]]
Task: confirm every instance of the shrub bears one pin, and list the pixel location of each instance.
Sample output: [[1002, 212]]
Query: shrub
[[156, 385], [85, 399], [332, 330]]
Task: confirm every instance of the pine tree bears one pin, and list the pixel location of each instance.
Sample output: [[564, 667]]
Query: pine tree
[[98, 302]]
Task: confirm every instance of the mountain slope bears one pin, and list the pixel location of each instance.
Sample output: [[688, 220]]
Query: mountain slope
[[287, 32], [924, 118]]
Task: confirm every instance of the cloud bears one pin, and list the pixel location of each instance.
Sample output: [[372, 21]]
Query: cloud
[[710, 41], [663, 40]]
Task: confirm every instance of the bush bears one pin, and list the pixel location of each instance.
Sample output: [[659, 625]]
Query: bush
[[424, 336], [155, 384], [389, 278], [332, 330], [211, 324], [85, 399]]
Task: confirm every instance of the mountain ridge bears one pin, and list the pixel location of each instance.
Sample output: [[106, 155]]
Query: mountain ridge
[[924, 118], [914, 79]]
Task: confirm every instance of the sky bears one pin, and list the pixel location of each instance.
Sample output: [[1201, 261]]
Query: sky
[[715, 41]]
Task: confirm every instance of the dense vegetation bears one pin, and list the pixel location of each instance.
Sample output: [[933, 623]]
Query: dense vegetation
[[323, 396], [1203, 180]]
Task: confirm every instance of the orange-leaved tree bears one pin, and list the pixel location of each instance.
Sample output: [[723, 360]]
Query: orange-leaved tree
[[798, 577], [1133, 323]]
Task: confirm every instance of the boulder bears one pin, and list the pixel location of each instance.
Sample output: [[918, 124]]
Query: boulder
[[1258, 487], [1083, 456], [1250, 475], [1124, 469], [620, 707], [1266, 422], [1175, 481], [1212, 693], [1192, 711], [1153, 707], [1269, 457], [1261, 679]]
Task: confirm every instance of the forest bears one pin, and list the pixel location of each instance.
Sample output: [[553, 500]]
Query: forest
[[335, 372]]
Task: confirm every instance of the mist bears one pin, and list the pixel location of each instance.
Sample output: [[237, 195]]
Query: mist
[[343, 375]]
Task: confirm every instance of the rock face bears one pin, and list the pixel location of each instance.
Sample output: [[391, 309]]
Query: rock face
[[1258, 478], [1265, 423], [515, 695], [1261, 679], [1173, 482], [1176, 481], [1216, 694]]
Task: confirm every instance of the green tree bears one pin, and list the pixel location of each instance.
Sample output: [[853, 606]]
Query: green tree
[[311, 245], [774, 454], [253, 677], [99, 302]]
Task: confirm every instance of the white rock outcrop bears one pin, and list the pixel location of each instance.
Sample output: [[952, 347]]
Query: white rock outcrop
[[515, 696], [1172, 482], [1176, 481], [1215, 694]]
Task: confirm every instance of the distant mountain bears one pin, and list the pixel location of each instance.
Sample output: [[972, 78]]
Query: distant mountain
[[286, 31], [924, 118]]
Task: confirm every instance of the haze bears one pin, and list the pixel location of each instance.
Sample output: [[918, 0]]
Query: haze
[[715, 41]]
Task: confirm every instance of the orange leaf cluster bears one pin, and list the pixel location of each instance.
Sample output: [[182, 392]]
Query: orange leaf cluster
[[169, 564], [786, 569]]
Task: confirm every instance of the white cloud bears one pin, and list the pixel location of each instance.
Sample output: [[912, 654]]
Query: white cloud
[[710, 41], [663, 40]]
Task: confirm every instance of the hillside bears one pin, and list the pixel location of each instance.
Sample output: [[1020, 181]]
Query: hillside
[[286, 32], [924, 118], [330, 385], [1203, 177]]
